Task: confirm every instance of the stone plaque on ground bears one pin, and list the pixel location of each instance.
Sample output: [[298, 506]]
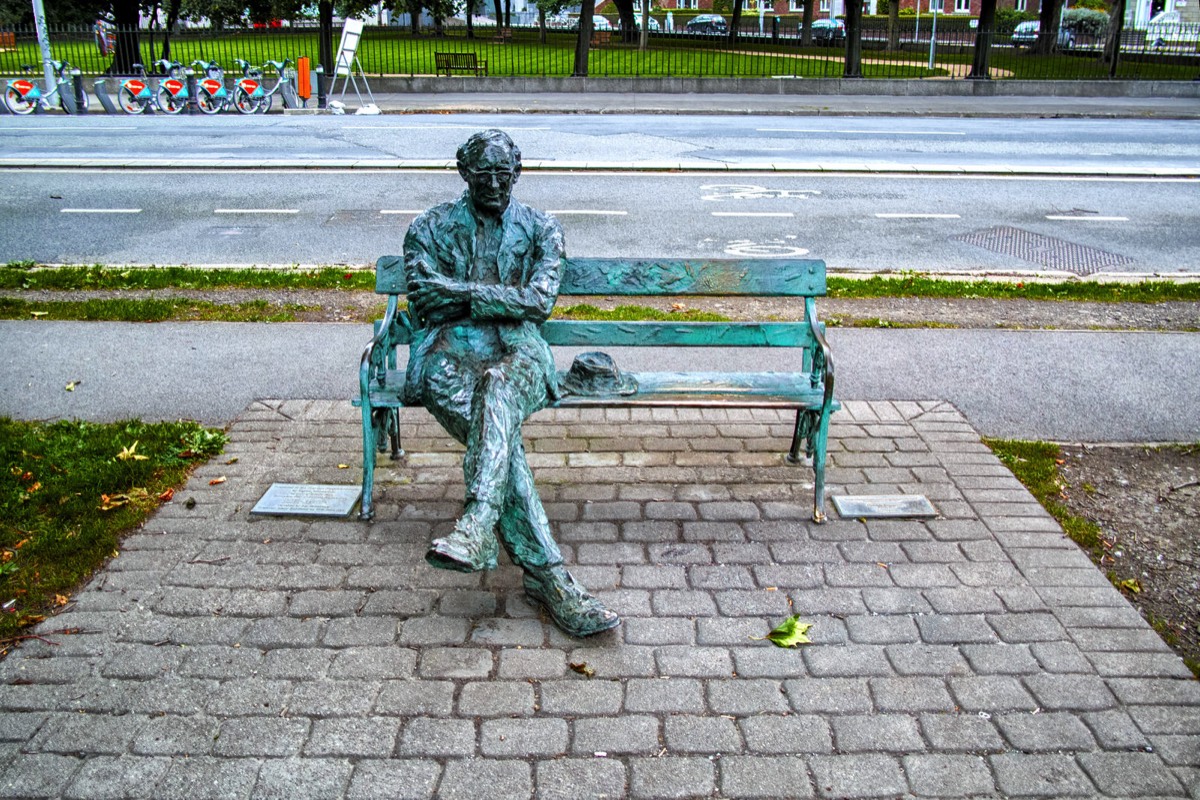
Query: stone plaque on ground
[[308, 499], [884, 506]]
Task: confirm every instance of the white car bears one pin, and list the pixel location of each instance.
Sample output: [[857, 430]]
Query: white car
[[1168, 31]]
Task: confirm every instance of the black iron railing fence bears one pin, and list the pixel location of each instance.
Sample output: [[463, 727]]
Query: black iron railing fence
[[774, 50]]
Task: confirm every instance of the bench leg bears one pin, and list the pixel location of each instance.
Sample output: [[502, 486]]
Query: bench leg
[[369, 446], [812, 430]]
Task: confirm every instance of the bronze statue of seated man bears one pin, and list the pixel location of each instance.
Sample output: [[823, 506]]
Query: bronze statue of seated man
[[483, 273]]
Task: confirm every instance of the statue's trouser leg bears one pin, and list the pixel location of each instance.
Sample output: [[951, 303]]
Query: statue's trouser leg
[[524, 528]]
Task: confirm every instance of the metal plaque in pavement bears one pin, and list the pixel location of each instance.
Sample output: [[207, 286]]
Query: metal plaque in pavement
[[308, 499], [884, 506]]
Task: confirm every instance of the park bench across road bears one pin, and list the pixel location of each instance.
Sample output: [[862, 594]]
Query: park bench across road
[[808, 389], [459, 62]]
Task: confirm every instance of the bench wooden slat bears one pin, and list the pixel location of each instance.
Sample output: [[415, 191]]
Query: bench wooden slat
[[677, 334], [768, 277], [691, 389]]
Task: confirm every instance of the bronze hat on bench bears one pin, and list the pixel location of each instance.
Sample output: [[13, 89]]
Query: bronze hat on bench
[[595, 374]]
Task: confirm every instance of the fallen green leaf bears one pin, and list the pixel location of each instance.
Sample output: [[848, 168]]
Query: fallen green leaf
[[1131, 585], [790, 632]]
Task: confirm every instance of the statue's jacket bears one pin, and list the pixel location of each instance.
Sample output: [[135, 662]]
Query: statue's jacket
[[529, 261]]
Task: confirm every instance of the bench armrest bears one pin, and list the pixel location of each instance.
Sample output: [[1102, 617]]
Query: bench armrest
[[379, 351], [822, 357]]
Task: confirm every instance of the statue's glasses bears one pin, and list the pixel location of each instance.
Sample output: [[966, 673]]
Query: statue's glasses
[[502, 177]]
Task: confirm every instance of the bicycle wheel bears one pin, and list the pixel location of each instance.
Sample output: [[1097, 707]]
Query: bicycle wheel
[[128, 101], [245, 102], [266, 104], [169, 103], [17, 103], [207, 103]]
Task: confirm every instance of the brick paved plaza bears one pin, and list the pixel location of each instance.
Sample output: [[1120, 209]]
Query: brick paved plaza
[[978, 654]]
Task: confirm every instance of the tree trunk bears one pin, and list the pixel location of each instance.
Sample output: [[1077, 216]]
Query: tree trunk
[[128, 49], [541, 25], [499, 16], [1047, 27], [414, 17], [507, 13], [983, 40], [586, 12], [893, 25], [644, 38], [625, 20], [1112, 42], [853, 39], [736, 21], [470, 13], [806, 24], [172, 21]]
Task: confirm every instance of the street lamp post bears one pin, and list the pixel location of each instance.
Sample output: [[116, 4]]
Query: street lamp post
[[39, 21]]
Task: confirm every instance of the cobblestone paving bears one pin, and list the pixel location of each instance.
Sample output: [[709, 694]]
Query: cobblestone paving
[[978, 654]]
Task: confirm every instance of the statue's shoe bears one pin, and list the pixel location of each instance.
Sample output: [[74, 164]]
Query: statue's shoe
[[470, 547], [573, 610]]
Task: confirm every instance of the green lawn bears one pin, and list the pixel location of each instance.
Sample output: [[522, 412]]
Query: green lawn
[[69, 491], [394, 51]]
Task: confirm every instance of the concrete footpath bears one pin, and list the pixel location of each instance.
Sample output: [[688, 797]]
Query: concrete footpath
[[978, 654], [629, 102]]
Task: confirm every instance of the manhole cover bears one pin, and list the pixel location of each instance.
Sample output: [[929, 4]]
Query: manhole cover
[[1045, 250]]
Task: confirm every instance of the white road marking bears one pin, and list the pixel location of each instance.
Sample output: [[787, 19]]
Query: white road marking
[[1086, 218], [100, 211], [429, 127], [752, 214], [918, 216], [71, 128], [593, 212], [256, 211], [873, 133]]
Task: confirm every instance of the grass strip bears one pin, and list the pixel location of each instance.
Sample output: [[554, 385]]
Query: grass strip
[[151, 310], [29, 276], [917, 285], [25, 275], [1035, 464], [69, 491]]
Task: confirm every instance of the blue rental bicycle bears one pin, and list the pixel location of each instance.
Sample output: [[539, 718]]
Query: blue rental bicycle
[[23, 95], [172, 95]]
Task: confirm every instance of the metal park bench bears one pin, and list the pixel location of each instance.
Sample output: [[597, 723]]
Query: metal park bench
[[808, 390], [459, 62]]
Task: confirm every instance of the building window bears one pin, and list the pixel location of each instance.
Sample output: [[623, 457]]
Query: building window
[[795, 5], [687, 4], [962, 6], [937, 5], [824, 6], [1020, 5]]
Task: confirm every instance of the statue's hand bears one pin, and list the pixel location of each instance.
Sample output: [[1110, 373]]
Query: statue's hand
[[437, 298]]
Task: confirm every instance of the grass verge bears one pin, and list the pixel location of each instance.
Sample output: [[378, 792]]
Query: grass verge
[[1035, 464], [28, 276], [69, 491], [151, 310]]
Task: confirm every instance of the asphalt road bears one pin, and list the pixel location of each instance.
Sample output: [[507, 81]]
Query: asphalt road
[[1079, 225], [1069, 386]]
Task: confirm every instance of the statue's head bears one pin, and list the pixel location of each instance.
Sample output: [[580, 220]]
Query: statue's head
[[490, 163]]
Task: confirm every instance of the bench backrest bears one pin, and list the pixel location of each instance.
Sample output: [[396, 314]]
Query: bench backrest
[[443, 60], [649, 277]]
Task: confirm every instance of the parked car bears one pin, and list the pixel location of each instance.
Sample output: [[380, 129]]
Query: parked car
[[707, 23], [599, 23], [1168, 31], [1026, 35], [637, 21], [828, 31]]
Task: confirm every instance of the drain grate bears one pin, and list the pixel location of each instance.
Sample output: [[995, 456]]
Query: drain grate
[[1045, 250]]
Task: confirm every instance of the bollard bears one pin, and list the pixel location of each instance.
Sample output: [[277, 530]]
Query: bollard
[[193, 107], [303, 80], [81, 101], [322, 99], [101, 89]]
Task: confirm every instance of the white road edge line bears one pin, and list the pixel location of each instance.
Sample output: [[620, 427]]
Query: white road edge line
[[256, 211], [590, 212], [918, 216], [99, 211], [752, 214], [877, 133], [1086, 219]]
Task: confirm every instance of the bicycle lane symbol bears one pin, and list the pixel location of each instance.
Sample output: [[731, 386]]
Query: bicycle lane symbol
[[772, 248], [740, 191]]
